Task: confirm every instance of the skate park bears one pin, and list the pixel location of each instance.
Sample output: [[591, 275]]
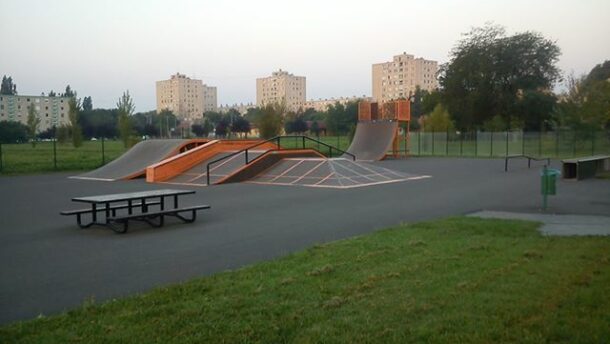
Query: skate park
[[54, 266]]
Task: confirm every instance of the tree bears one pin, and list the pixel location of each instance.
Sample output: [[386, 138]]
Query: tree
[[33, 123], [212, 116], [198, 130], [241, 126], [222, 127], [586, 105], [438, 120], [315, 128], [8, 88], [295, 125], [13, 132], [271, 119], [64, 132], [341, 118], [99, 123], [74, 109], [87, 104], [125, 108], [489, 71], [52, 93], [164, 120], [207, 127], [69, 92]]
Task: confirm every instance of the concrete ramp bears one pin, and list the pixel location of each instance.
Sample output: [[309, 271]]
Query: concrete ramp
[[373, 140], [133, 163]]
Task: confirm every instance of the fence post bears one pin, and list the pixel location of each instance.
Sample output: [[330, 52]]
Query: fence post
[[461, 143], [476, 143], [540, 142], [447, 142], [592, 141], [522, 141], [55, 153], [1, 165], [507, 141], [491, 144], [419, 142], [103, 152], [557, 142], [574, 143], [433, 138]]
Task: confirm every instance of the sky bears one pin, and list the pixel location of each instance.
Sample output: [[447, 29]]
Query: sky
[[102, 48]]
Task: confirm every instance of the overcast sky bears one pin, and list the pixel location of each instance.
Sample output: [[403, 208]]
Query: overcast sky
[[102, 48]]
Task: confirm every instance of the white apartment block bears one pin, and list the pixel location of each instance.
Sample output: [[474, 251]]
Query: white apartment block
[[322, 104], [241, 107], [187, 98], [52, 111], [398, 78], [281, 86]]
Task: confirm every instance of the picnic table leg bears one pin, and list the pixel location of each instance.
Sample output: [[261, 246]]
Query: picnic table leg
[[94, 212], [162, 203], [107, 210], [175, 201], [144, 207], [129, 207]]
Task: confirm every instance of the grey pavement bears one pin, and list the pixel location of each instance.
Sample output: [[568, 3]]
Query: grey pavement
[[48, 265], [556, 224]]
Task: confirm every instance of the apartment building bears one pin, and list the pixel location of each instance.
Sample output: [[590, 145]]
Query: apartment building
[[52, 111], [241, 107], [398, 78], [187, 98], [322, 104], [281, 86]]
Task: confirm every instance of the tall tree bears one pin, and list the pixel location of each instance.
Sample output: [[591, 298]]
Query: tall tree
[[586, 104], [52, 93], [87, 104], [33, 124], [489, 72], [8, 87], [125, 108], [270, 119], [69, 92], [74, 109]]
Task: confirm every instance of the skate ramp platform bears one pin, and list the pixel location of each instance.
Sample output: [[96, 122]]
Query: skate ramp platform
[[373, 140], [338, 173], [197, 174], [133, 163]]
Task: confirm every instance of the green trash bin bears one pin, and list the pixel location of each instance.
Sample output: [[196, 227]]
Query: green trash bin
[[548, 181]]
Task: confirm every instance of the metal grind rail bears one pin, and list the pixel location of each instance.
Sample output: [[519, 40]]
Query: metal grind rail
[[278, 140]]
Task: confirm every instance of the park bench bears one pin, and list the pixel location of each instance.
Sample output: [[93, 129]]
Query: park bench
[[150, 216], [529, 160], [112, 208], [585, 167], [137, 205]]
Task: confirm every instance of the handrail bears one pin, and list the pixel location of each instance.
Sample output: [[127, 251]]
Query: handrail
[[528, 157], [277, 139]]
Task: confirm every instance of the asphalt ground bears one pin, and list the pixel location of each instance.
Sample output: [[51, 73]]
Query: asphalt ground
[[48, 265]]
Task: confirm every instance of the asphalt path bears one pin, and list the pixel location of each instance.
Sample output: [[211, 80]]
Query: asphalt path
[[48, 265]]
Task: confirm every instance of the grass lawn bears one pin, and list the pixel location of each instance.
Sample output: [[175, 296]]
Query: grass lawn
[[23, 158], [451, 280]]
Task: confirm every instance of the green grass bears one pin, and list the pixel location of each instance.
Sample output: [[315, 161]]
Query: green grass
[[452, 280], [23, 158]]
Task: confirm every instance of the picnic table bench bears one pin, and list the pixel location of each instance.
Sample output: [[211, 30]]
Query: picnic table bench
[[138, 206], [585, 167]]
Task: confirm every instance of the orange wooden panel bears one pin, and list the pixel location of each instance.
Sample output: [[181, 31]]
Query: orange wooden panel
[[364, 111], [404, 110], [374, 111]]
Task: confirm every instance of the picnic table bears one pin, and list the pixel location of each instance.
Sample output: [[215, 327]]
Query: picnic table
[[138, 206]]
